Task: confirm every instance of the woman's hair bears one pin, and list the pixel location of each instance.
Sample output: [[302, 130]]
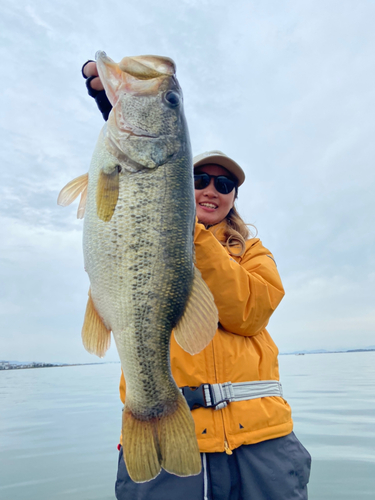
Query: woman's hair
[[236, 232]]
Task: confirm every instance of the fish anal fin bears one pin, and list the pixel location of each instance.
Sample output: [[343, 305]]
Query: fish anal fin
[[107, 193], [70, 192], [198, 325], [141, 455], [167, 442], [96, 337]]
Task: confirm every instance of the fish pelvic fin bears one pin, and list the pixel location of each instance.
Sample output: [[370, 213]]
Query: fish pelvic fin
[[96, 337], [107, 193], [168, 442], [198, 325], [72, 190]]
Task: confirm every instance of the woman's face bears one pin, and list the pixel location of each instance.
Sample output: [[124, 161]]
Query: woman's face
[[212, 207]]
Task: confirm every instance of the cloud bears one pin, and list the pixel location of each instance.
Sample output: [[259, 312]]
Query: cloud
[[286, 88]]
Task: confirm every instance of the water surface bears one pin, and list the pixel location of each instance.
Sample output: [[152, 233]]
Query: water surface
[[59, 427], [333, 403]]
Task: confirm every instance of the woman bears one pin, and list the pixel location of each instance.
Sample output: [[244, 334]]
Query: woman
[[243, 425]]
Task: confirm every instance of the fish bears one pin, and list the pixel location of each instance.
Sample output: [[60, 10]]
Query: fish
[[137, 202]]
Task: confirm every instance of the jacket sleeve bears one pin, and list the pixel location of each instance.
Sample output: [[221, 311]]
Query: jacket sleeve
[[246, 292]]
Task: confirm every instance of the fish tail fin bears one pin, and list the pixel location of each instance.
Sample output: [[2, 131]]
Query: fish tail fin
[[178, 443], [140, 444], [168, 442]]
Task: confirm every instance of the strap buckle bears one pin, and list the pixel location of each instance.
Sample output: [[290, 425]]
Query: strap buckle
[[208, 396], [197, 397]]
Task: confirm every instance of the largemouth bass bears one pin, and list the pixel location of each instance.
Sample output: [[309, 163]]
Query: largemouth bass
[[137, 201]]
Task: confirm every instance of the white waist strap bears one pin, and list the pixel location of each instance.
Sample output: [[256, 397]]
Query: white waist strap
[[242, 391], [219, 395]]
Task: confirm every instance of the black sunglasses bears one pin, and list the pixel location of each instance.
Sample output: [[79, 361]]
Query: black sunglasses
[[223, 185]]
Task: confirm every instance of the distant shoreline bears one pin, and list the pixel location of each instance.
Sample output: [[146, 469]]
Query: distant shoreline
[[15, 365], [323, 351], [9, 365]]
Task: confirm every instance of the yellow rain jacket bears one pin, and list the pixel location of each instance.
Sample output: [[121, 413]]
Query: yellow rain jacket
[[246, 290]]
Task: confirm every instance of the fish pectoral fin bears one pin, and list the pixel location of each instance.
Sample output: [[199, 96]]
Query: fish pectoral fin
[[198, 325], [96, 337], [82, 203], [168, 442], [70, 192], [107, 193]]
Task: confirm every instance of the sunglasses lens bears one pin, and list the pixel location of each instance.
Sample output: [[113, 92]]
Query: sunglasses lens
[[201, 181], [224, 185]]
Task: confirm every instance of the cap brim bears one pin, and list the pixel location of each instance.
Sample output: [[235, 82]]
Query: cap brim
[[226, 162]]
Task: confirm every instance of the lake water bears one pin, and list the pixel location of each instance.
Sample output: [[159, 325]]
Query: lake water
[[59, 427]]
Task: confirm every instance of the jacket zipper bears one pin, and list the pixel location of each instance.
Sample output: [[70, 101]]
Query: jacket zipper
[[227, 450]]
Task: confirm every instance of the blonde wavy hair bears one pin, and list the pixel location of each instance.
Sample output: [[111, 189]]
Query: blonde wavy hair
[[236, 232]]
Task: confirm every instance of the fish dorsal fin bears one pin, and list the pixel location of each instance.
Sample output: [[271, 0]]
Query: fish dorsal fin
[[107, 193], [96, 337], [72, 190], [198, 325]]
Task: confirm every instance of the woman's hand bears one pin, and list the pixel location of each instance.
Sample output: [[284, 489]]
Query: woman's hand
[[90, 70]]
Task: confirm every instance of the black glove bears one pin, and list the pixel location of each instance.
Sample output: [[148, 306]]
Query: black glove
[[100, 96]]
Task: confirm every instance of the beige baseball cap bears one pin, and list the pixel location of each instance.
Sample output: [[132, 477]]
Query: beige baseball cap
[[219, 158]]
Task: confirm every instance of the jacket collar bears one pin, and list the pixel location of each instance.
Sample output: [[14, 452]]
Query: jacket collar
[[218, 230]]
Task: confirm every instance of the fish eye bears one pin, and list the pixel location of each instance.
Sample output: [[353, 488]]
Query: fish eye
[[172, 98]]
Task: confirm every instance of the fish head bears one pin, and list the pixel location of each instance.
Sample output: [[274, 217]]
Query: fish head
[[146, 126]]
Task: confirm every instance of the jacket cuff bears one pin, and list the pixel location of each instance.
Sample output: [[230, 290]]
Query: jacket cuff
[[103, 104]]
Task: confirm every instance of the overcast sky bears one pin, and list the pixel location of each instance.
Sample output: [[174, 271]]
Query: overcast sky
[[285, 88]]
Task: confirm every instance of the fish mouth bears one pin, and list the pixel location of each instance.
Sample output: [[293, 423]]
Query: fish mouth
[[139, 75], [148, 67], [141, 67]]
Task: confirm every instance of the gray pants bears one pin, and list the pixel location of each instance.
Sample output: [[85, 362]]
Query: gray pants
[[277, 469]]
